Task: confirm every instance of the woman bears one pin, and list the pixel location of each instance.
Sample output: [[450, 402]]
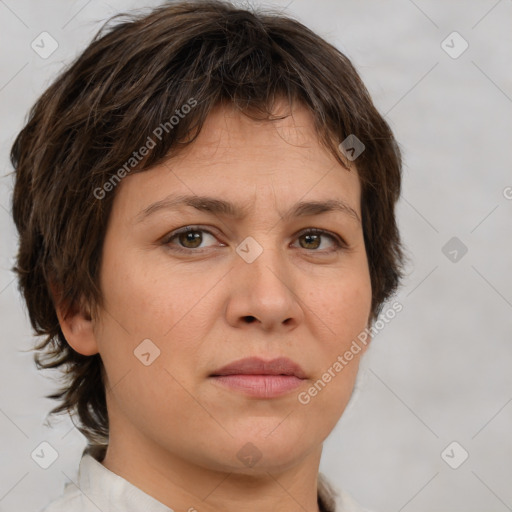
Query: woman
[[205, 202]]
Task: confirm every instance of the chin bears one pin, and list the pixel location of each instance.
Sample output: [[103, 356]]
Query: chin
[[260, 454]]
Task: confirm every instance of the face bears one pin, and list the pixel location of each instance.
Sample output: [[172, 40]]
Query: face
[[191, 288]]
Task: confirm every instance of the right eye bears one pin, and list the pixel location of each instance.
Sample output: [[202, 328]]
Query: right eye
[[189, 239]]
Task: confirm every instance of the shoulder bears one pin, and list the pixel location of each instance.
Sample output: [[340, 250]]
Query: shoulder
[[71, 499], [335, 500], [80, 495], [345, 503]]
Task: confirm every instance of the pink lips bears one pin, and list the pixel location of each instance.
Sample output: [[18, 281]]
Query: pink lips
[[261, 379]]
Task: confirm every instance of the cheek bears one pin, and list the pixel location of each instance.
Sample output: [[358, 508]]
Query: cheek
[[160, 303], [342, 306], [146, 299], [341, 314]]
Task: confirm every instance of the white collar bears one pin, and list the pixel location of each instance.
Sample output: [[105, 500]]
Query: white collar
[[111, 492]]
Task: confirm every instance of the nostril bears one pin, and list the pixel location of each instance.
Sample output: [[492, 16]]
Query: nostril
[[250, 319]]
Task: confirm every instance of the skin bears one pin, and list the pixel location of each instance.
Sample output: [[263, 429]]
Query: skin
[[174, 433]]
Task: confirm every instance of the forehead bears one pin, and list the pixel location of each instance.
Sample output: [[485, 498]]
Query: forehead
[[289, 134], [250, 162]]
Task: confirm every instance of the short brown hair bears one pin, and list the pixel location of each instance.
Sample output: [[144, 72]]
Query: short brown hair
[[136, 74]]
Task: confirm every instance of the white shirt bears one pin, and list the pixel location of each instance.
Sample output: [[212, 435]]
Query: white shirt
[[98, 489]]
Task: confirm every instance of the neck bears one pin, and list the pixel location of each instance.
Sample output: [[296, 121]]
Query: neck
[[182, 485]]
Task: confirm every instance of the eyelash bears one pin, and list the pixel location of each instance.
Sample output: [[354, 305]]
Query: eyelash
[[340, 244]]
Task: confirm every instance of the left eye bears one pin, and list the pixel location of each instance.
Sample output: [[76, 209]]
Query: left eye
[[313, 237]]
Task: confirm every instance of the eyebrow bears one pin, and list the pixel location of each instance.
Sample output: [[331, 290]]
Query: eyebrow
[[217, 206]]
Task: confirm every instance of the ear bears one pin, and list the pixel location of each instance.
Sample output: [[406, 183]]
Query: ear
[[76, 324]]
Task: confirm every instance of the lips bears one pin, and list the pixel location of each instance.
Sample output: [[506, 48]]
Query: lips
[[257, 366], [259, 379]]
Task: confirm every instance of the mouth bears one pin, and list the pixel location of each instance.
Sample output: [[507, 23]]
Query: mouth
[[260, 379]]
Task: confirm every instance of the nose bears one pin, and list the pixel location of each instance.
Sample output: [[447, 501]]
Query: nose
[[263, 288]]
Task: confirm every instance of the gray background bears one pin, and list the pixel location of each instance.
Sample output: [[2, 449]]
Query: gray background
[[440, 371]]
